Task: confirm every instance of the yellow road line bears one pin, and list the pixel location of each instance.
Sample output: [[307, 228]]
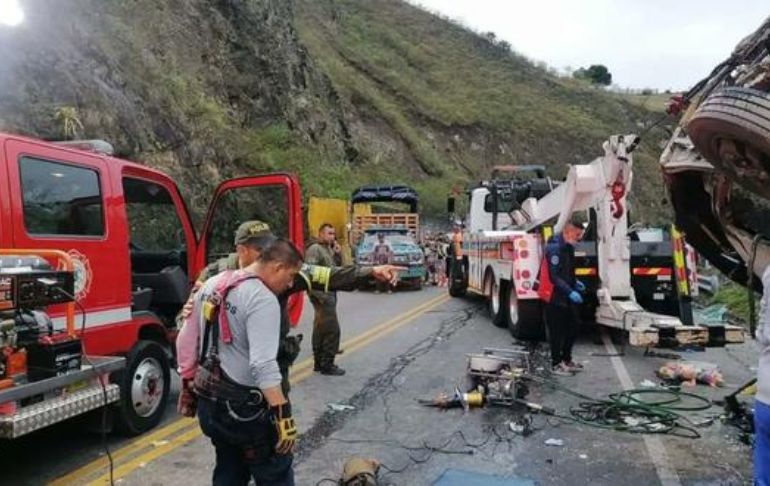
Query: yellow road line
[[151, 455], [132, 448], [299, 373], [308, 362]]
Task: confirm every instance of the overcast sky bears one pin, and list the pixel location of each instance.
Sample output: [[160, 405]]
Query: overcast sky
[[644, 43]]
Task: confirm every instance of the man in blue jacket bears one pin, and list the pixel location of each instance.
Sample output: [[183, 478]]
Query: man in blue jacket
[[561, 313]]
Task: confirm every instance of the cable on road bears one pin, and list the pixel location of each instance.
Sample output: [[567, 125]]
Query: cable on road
[[425, 447], [105, 444], [641, 410]]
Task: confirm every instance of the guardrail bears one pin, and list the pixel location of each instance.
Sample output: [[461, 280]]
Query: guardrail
[[708, 284]]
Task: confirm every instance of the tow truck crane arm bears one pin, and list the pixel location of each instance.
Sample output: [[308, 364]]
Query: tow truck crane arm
[[585, 186], [604, 185]]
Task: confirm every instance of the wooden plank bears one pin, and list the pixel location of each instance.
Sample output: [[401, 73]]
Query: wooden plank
[[643, 337], [734, 334]]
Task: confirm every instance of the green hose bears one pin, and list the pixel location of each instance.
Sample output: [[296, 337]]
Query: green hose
[[631, 411]]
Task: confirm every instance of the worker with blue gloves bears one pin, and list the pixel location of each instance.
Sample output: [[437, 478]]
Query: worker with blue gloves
[[561, 312]]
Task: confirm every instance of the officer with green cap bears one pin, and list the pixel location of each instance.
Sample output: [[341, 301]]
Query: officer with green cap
[[250, 238]]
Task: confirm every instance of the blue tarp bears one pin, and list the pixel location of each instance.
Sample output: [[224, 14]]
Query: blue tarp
[[455, 477]]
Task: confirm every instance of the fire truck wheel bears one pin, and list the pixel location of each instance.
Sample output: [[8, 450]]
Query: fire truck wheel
[[144, 388], [524, 318], [494, 301]]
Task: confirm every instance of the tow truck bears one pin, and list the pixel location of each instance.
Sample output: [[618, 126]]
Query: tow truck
[[97, 256], [502, 247]]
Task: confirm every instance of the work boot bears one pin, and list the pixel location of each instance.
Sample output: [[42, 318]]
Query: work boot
[[332, 370], [317, 365]]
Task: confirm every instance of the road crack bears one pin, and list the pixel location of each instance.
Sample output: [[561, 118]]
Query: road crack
[[380, 385]]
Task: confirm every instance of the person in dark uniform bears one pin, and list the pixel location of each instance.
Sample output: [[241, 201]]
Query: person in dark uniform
[[561, 313], [250, 238], [326, 325]]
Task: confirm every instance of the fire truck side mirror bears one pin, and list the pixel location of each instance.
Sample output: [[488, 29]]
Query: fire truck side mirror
[[450, 205]]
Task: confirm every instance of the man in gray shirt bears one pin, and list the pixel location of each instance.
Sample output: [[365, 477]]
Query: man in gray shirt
[[241, 406]]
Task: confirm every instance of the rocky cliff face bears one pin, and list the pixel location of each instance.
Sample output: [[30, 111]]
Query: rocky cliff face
[[184, 85], [341, 92]]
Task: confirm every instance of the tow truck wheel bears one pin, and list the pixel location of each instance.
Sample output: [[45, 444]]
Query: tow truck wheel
[[524, 318], [144, 388], [731, 129], [458, 278], [494, 301]]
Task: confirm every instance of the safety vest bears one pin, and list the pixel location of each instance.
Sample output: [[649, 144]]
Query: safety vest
[[543, 283]]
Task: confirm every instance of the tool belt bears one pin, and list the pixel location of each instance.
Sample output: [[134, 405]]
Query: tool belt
[[212, 383]]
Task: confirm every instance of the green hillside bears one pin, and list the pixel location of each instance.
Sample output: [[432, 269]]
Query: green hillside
[[446, 103], [341, 92]]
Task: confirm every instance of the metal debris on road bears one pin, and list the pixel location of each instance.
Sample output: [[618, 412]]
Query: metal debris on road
[[340, 407], [554, 442]]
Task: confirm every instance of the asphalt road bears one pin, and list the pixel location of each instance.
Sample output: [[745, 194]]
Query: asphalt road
[[411, 345]]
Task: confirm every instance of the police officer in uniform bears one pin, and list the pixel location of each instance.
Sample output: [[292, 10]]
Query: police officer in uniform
[[241, 406], [249, 237], [326, 326], [561, 313]]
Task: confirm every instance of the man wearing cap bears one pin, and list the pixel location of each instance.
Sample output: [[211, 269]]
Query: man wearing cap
[[250, 238], [326, 326], [561, 313]]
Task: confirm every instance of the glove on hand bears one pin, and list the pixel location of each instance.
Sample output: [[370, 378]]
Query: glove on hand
[[187, 405], [287, 429], [575, 297]]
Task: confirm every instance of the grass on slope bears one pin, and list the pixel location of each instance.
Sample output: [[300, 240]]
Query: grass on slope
[[414, 70]]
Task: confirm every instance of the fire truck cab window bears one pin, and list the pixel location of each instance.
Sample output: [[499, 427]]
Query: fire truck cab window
[[153, 222], [61, 199], [268, 203]]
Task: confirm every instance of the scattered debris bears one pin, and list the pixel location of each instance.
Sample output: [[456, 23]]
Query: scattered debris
[[158, 443], [632, 421], [650, 353], [340, 407], [690, 373], [648, 384], [522, 426], [583, 456], [554, 442]]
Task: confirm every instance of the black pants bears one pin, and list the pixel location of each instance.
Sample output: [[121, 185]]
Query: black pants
[[563, 322], [244, 448], [326, 330]]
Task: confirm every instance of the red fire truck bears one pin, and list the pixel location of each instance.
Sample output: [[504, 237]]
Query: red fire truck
[[123, 233]]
